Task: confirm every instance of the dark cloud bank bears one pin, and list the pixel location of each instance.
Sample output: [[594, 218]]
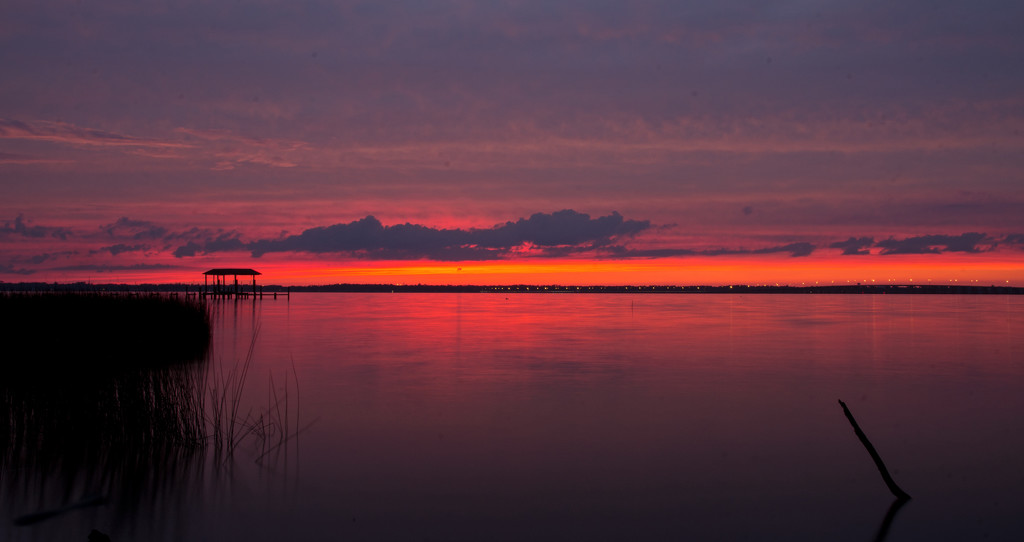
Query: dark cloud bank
[[20, 226], [925, 244], [558, 234], [551, 234]]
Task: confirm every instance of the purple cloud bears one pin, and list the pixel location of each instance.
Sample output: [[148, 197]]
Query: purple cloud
[[8, 269], [795, 250], [854, 246], [1016, 239], [121, 248], [19, 226], [936, 244], [135, 229], [225, 242], [367, 237]]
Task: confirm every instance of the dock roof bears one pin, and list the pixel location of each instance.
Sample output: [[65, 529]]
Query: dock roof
[[232, 271]]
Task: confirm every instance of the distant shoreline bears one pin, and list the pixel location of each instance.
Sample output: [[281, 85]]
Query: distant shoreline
[[939, 289]]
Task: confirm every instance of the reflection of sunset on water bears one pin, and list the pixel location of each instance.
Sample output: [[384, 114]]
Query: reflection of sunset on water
[[645, 416]]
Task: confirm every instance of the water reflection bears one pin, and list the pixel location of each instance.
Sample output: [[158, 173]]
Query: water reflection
[[118, 447], [890, 516], [605, 417], [642, 417], [140, 453]]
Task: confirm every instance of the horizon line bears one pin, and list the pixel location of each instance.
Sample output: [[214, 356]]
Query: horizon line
[[956, 288]]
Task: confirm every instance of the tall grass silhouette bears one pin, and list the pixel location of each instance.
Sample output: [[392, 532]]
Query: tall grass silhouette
[[113, 398], [228, 425]]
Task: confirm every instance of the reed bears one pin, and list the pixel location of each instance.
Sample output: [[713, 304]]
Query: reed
[[135, 436], [267, 429], [83, 371], [116, 396], [75, 334]]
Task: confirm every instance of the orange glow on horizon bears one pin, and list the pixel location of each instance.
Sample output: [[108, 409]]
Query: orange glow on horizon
[[977, 269], [719, 270]]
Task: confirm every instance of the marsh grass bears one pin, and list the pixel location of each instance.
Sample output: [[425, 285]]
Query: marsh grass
[[98, 398], [133, 440], [76, 334], [112, 395], [267, 429], [81, 371]]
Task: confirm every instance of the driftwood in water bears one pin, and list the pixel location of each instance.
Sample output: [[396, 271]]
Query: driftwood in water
[[895, 489], [29, 519]]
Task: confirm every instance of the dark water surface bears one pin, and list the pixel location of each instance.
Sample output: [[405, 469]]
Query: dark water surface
[[606, 417]]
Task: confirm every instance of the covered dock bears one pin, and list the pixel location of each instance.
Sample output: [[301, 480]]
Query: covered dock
[[216, 284]]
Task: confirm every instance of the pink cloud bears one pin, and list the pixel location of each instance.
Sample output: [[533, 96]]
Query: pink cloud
[[61, 132]]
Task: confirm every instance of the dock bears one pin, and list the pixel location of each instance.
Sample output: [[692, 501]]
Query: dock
[[217, 286]]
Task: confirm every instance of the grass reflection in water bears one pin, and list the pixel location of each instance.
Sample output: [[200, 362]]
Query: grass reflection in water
[[112, 400]]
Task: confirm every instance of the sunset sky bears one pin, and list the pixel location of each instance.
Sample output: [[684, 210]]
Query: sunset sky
[[495, 142]]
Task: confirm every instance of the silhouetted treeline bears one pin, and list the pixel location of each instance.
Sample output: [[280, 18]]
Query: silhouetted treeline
[[533, 288], [89, 287]]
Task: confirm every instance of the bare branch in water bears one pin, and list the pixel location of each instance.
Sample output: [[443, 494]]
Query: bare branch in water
[[895, 489]]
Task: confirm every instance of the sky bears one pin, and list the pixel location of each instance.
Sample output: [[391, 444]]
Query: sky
[[511, 142]]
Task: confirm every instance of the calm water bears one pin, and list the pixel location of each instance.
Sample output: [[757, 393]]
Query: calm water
[[607, 417]]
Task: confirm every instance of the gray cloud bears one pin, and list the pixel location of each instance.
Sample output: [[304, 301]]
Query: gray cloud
[[120, 248], [1014, 239], [19, 226], [8, 269], [45, 257], [200, 234], [136, 229], [566, 227], [623, 252], [854, 246], [225, 242], [188, 250], [553, 233], [937, 244], [795, 250]]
